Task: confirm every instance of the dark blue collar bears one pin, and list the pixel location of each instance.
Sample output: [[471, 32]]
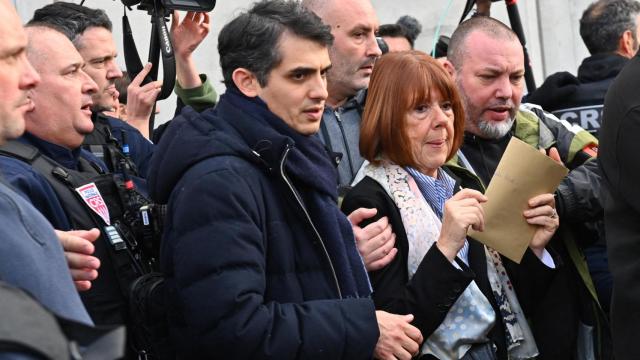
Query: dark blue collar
[[308, 162], [65, 157]]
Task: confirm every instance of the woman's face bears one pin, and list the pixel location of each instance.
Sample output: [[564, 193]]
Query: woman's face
[[430, 130]]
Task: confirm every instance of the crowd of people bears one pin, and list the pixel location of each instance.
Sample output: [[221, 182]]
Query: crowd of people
[[320, 207]]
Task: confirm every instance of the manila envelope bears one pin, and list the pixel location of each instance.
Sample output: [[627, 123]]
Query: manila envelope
[[523, 172]]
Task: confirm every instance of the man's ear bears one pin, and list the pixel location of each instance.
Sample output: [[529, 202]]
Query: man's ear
[[449, 67], [246, 82], [625, 44]]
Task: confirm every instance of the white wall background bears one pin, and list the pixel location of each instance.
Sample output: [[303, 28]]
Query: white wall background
[[551, 30]]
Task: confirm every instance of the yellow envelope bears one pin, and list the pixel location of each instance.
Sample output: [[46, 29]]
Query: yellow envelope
[[523, 172]]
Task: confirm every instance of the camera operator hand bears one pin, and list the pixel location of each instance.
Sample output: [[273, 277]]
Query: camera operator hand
[[187, 36], [140, 100]]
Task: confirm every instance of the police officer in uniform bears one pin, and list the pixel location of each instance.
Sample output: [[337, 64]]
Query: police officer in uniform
[[67, 184], [609, 29], [113, 140]]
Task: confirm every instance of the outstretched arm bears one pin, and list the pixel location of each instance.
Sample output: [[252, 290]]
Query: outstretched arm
[[187, 36]]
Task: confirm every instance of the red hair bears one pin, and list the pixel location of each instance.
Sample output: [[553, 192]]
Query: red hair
[[400, 82]]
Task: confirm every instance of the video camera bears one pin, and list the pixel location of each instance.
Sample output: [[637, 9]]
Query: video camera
[[160, 42], [170, 5]]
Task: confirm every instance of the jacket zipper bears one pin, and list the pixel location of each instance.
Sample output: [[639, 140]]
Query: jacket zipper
[[346, 146], [295, 194]]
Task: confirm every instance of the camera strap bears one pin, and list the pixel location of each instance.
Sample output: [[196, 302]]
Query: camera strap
[[160, 44]]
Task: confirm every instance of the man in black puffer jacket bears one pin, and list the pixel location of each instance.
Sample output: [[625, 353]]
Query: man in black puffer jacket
[[259, 261], [609, 29]]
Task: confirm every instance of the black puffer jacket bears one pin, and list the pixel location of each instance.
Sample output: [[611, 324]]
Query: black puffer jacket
[[621, 199], [579, 99], [247, 277]]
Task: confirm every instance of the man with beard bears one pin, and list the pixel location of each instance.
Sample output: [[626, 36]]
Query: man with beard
[[487, 62]]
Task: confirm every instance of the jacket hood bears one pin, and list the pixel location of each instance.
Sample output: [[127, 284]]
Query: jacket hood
[[225, 130], [600, 67]]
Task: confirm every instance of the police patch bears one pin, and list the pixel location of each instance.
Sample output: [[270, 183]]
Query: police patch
[[92, 197], [588, 117]]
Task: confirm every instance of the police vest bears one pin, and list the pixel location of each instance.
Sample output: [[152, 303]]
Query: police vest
[[92, 198], [106, 147], [584, 107]]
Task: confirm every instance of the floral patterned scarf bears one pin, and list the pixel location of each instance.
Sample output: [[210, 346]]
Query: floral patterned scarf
[[423, 225]]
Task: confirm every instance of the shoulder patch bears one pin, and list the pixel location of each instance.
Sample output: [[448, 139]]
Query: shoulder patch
[[92, 197], [591, 150]]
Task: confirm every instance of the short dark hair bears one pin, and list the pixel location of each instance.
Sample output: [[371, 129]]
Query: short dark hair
[[70, 19], [395, 31], [406, 26], [250, 40], [484, 24], [412, 27], [604, 21]]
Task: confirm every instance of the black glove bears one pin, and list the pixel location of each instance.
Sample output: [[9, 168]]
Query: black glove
[[553, 93]]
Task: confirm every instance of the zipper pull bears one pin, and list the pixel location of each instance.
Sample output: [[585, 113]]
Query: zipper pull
[[336, 112]]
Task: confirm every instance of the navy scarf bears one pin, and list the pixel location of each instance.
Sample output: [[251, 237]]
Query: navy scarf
[[315, 177]]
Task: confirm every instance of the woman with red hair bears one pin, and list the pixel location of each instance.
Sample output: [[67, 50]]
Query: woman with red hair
[[460, 292]]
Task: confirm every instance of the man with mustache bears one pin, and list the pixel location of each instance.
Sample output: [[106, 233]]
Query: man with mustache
[[486, 60]]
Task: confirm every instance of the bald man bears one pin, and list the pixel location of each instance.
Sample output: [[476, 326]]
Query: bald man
[[354, 51], [354, 24]]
